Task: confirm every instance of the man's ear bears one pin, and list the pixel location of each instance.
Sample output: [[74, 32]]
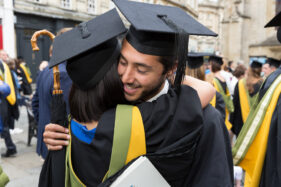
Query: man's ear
[[172, 71]]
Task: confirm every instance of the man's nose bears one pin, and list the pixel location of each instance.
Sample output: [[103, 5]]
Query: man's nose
[[128, 76]]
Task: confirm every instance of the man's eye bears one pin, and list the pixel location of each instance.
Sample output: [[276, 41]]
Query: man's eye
[[122, 63], [141, 71]]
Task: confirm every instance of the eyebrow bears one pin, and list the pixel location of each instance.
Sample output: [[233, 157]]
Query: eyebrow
[[137, 63]]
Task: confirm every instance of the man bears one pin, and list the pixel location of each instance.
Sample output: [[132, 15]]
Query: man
[[42, 98], [144, 68], [257, 149], [10, 102], [266, 69]]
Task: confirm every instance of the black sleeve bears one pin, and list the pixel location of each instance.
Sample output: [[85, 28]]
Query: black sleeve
[[171, 117], [220, 106], [236, 116], [213, 164]]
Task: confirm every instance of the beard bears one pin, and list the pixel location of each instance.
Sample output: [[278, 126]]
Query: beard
[[147, 94]]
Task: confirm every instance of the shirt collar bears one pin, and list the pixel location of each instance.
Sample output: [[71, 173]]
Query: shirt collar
[[162, 92]]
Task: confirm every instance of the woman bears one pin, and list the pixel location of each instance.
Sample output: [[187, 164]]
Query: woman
[[245, 94]]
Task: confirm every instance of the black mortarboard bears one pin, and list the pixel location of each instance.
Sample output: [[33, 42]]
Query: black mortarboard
[[273, 62], [256, 64], [216, 59], [89, 49], [276, 22], [161, 30], [195, 60], [150, 33]]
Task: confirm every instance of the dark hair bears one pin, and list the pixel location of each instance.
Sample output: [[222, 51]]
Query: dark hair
[[239, 71], [168, 62], [88, 105], [215, 67], [252, 78]]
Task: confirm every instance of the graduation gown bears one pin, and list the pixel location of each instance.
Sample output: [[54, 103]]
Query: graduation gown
[[271, 173], [187, 147], [236, 116]]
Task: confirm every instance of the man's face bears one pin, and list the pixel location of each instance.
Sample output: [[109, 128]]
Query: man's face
[[266, 70], [141, 74], [3, 55]]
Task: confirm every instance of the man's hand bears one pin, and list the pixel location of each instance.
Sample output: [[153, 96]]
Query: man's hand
[[56, 136]]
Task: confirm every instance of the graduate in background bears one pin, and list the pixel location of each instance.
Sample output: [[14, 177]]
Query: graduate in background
[[11, 101], [196, 69], [245, 94], [258, 146], [221, 87]]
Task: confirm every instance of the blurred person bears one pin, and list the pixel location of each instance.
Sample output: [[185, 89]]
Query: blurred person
[[245, 94], [7, 77], [221, 86], [42, 98], [25, 76], [196, 69], [274, 64], [228, 77], [240, 71], [266, 70], [3, 55]]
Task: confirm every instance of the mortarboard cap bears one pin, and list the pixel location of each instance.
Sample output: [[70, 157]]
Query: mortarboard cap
[[216, 59], [276, 22], [273, 62], [161, 30], [89, 49], [256, 64], [195, 60], [150, 33]]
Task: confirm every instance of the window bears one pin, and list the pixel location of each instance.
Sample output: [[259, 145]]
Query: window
[[37, 1], [66, 4], [92, 6]]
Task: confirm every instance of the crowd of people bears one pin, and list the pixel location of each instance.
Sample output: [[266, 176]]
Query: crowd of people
[[199, 118]]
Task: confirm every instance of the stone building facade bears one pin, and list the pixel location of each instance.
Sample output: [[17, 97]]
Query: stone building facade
[[19, 19]]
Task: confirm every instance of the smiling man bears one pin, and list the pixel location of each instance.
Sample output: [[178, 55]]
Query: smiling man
[[154, 46]]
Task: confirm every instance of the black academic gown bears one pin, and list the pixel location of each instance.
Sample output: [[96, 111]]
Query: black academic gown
[[220, 105], [271, 173], [186, 151], [236, 116]]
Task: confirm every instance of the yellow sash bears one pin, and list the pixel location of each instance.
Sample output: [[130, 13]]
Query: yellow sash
[[244, 101], [254, 158], [227, 123], [213, 101], [137, 146], [29, 79], [11, 98]]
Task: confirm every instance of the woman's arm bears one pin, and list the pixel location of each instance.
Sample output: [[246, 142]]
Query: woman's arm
[[204, 89]]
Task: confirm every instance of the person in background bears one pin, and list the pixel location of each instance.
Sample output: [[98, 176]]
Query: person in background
[[24, 75], [7, 77], [196, 69], [240, 71], [221, 86], [266, 70], [245, 95], [42, 98]]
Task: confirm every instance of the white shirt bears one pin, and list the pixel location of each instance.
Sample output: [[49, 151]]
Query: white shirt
[[162, 92]]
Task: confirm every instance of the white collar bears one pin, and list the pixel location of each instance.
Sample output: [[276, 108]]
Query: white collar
[[162, 92]]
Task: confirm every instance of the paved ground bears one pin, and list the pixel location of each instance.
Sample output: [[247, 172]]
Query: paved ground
[[23, 169]]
